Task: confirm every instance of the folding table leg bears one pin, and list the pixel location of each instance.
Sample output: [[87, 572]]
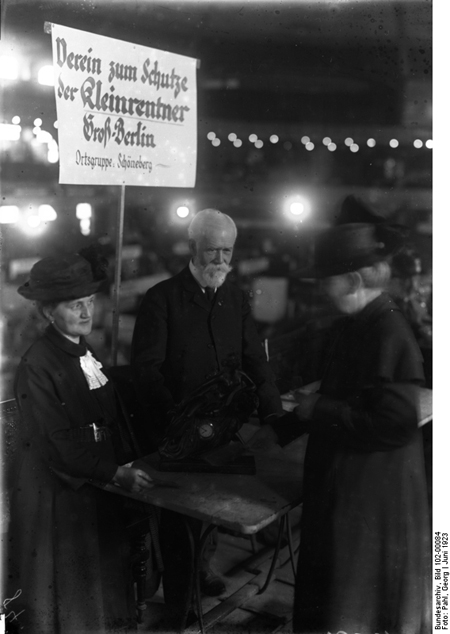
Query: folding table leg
[[198, 595], [275, 555], [290, 544], [197, 545]]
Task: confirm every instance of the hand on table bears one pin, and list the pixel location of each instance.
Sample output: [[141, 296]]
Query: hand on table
[[134, 480]]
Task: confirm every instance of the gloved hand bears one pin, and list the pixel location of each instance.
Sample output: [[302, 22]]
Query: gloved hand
[[264, 439], [305, 407], [289, 427]]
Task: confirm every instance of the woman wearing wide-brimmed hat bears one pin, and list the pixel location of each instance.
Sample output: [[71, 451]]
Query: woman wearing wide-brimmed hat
[[67, 551], [364, 559]]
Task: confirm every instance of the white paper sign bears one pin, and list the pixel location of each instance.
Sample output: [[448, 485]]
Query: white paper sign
[[127, 114]]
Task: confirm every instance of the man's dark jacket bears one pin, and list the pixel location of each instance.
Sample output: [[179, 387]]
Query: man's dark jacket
[[180, 340]]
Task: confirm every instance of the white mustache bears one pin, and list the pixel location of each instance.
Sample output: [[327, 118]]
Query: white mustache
[[223, 268], [215, 274]]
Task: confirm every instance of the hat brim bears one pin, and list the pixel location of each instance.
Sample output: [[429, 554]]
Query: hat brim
[[52, 294]]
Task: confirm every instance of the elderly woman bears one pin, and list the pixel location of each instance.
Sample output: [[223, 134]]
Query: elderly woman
[[364, 559], [67, 553]]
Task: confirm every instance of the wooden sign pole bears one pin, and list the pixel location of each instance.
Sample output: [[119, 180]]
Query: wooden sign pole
[[117, 276]]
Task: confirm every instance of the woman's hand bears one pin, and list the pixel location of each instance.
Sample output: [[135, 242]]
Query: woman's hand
[[134, 480], [305, 407]]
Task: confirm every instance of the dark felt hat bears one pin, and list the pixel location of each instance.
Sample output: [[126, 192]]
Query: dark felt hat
[[360, 238], [62, 278], [352, 246]]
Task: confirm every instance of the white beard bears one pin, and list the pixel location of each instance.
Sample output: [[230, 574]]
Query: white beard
[[214, 275]]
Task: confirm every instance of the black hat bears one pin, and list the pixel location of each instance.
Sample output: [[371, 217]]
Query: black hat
[[62, 278], [359, 238], [351, 246]]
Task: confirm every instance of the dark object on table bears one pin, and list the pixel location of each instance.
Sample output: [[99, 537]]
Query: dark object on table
[[226, 459], [210, 416]]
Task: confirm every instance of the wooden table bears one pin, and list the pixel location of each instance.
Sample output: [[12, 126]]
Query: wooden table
[[425, 406], [242, 503]]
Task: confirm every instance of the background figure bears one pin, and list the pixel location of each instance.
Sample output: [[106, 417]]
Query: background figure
[[364, 559], [408, 292], [67, 550], [187, 329]]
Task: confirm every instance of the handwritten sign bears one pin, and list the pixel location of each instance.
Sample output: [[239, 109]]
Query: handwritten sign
[[127, 114]]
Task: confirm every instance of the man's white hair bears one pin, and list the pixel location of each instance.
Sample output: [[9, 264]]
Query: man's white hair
[[207, 218]]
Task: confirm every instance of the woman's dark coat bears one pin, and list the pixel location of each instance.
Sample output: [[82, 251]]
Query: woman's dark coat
[[364, 560], [67, 550]]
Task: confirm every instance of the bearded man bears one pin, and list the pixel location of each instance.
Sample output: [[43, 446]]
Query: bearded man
[[187, 328]]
